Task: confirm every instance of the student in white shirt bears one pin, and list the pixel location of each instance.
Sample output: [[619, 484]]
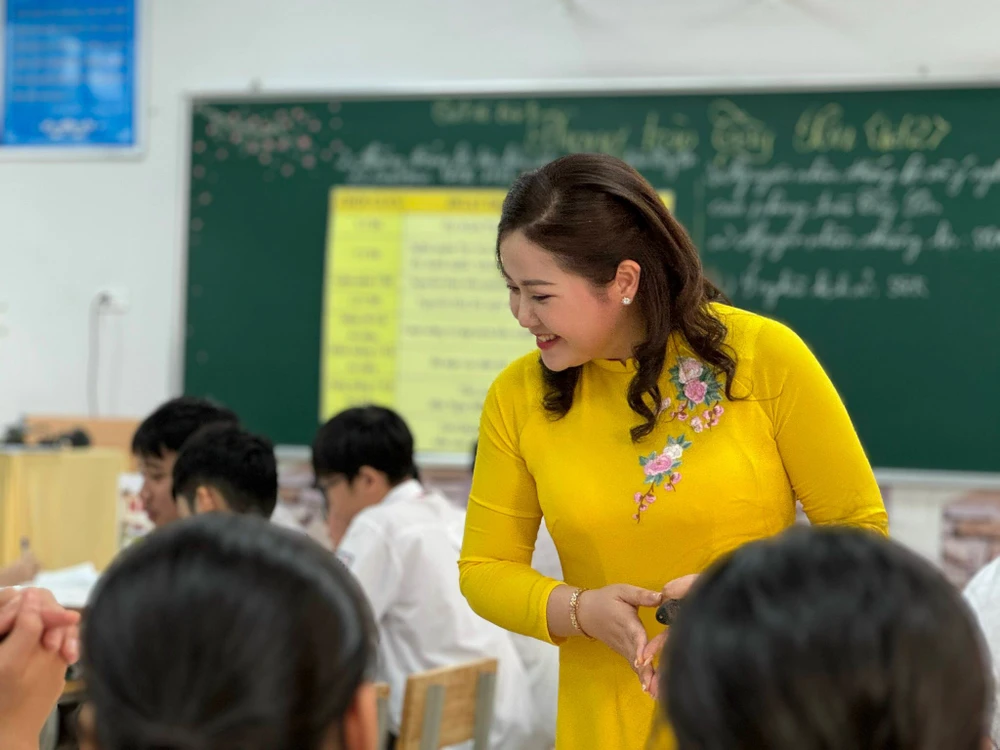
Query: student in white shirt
[[983, 596], [159, 439], [224, 468], [402, 543]]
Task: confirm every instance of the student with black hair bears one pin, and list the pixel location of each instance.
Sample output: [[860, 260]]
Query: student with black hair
[[223, 467], [825, 638], [270, 638], [159, 439], [402, 543]]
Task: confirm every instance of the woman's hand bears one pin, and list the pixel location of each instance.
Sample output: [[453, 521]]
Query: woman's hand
[[32, 673], [611, 615], [676, 589]]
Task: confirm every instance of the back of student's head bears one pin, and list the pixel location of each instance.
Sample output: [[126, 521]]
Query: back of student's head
[[824, 639], [229, 460], [169, 427], [224, 633], [365, 436]]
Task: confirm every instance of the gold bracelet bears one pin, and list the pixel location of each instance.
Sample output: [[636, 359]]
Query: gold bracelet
[[574, 608]]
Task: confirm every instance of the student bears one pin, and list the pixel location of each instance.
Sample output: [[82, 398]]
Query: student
[[265, 642], [402, 542], [38, 641], [983, 595], [825, 638], [158, 440], [225, 468]]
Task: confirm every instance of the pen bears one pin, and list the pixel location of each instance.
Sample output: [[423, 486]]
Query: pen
[[666, 613]]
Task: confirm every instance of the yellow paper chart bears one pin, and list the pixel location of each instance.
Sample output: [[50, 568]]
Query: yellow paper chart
[[416, 315]]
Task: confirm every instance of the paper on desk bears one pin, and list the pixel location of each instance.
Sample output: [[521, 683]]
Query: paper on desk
[[70, 586]]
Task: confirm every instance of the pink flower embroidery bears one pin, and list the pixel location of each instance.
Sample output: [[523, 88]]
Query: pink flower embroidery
[[689, 369], [659, 465], [696, 385], [695, 391], [643, 501]]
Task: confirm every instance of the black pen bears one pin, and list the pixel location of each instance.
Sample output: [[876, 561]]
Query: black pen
[[666, 613]]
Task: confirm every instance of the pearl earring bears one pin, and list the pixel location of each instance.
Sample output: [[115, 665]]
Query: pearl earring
[[626, 300]]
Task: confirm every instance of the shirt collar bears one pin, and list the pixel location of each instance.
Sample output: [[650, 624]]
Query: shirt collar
[[408, 490]]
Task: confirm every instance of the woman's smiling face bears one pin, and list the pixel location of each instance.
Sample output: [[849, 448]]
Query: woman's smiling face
[[573, 321]]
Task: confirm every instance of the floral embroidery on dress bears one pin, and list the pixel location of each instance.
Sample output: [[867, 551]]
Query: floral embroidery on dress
[[697, 388], [660, 469]]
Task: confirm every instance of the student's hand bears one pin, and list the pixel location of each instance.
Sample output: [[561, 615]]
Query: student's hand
[[611, 615], [61, 625], [676, 589], [32, 675]]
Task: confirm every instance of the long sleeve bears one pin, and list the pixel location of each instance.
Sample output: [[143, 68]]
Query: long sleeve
[[501, 526], [819, 447]]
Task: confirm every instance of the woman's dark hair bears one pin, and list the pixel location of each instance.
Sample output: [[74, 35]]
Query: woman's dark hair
[[593, 211], [224, 632], [821, 639]]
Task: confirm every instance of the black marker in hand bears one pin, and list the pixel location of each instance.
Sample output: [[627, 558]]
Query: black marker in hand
[[666, 613]]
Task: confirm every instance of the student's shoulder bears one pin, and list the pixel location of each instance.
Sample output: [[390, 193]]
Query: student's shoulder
[[398, 518], [983, 591]]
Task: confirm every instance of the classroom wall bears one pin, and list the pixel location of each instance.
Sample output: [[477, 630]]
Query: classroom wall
[[70, 229]]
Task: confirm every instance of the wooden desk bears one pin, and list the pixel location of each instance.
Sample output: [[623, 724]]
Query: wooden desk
[[65, 501]]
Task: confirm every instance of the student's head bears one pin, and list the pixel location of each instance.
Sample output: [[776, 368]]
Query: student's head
[[157, 442], [228, 633], [593, 258], [821, 639], [223, 467], [359, 456]]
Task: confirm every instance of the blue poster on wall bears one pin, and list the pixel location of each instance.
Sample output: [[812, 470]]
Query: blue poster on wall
[[69, 74]]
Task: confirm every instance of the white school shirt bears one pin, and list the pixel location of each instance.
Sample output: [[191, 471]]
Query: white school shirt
[[284, 518], [983, 596], [404, 552]]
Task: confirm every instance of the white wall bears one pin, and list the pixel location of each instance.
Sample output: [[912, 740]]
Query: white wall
[[69, 229]]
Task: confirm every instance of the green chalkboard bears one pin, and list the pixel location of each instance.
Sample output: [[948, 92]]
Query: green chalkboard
[[868, 220]]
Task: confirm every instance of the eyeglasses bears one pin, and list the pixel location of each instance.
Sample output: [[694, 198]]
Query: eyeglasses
[[323, 485]]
